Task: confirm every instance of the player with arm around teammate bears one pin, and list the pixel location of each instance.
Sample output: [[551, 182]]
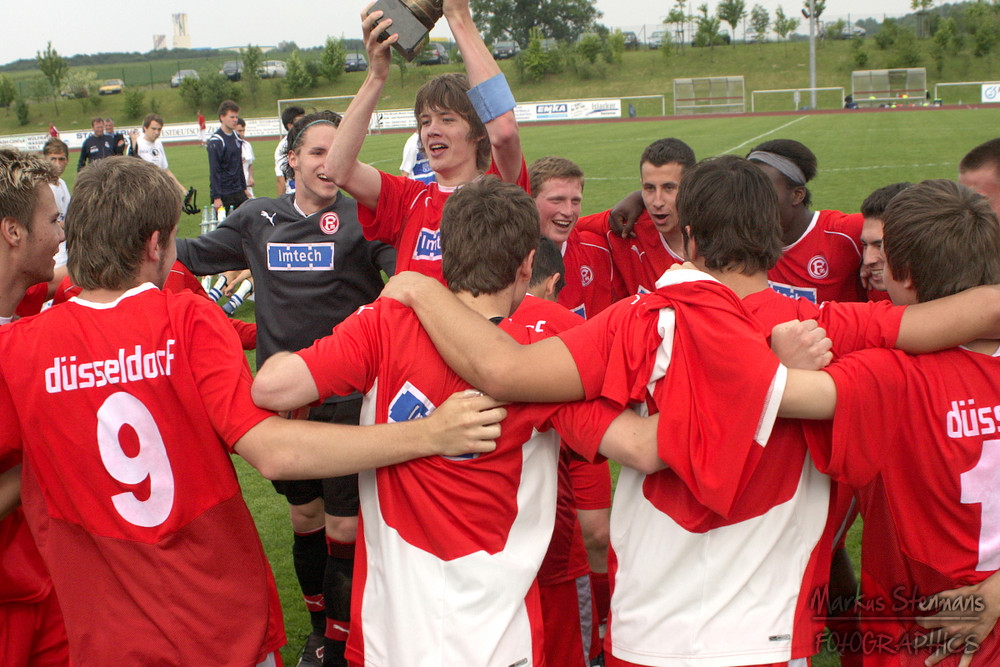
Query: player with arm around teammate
[[137, 487]]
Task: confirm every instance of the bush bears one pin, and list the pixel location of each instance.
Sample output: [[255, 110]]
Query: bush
[[134, 99], [215, 88], [191, 92], [614, 48], [860, 56], [21, 109], [907, 54], [590, 47], [533, 62], [885, 38], [298, 79]]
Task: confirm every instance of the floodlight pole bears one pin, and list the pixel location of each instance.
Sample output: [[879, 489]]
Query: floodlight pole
[[812, 53]]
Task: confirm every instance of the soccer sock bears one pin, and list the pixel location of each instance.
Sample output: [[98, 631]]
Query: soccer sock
[[216, 292], [308, 554], [337, 591], [237, 299], [600, 591]]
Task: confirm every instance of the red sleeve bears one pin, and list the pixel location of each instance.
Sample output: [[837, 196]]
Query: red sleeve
[[595, 223], [850, 224], [858, 326], [345, 361], [869, 383], [180, 278], [590, 345], [66, 291], [247, 332], [582, 425], [33, 300], [522, 178], [395, 201], [220, 370]]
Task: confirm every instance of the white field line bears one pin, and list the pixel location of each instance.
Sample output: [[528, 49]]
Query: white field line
[[761, 136]]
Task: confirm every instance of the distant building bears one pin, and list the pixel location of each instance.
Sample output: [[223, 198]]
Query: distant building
[[159, 42], [182, 40]]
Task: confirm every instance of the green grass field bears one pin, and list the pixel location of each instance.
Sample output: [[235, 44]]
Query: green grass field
[[858, 152]]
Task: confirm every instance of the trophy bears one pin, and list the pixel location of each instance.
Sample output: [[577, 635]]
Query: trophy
[[411, 19]]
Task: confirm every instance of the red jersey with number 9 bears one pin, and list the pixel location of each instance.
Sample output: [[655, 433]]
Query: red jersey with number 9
[[126, 414]]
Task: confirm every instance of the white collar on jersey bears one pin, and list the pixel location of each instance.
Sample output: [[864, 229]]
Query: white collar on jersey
[[126, 294], [678, 276]]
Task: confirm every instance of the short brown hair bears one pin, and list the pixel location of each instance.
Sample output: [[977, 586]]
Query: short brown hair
[[669, 150], [875, 204], [546, 168], [97, 119], [117, 204], [942, 236], [21, 174], [227, 106], [55, 145], [151, 118], [451, 92], [488, 227], [730, 207], [986, 154]]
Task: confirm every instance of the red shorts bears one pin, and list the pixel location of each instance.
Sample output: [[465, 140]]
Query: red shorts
[[591, 484], [611, 661], [33, 634], [561, 619]]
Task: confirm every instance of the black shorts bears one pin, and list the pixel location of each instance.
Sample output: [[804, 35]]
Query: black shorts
[[339, 494]]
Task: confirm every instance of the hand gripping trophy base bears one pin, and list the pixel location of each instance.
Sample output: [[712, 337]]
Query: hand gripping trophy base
[[411, 19]]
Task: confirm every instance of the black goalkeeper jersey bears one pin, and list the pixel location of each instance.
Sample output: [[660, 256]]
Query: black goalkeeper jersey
[[310, 272]]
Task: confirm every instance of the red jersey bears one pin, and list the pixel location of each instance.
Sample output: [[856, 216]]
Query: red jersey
[[639, 262], [823, 264], [927, 425], [133, 484], [566, 558], [675, 347], [446, 571], [589, 274], [408, 217]]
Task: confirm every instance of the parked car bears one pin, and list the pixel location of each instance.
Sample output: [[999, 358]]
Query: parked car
[[505, 49], [232, 70], [355, 63], [656, 38], [272, 69], [175, 80], [433, 54], [111, 87], [631, 40]]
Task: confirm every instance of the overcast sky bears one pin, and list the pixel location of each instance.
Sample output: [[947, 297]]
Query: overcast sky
[[116, 25]]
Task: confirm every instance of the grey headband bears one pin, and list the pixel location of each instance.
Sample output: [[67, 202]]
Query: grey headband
[[784, 166]]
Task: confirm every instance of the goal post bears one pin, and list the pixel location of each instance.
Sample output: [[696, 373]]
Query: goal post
[[795, 99], [336, 103], [709, 95]]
